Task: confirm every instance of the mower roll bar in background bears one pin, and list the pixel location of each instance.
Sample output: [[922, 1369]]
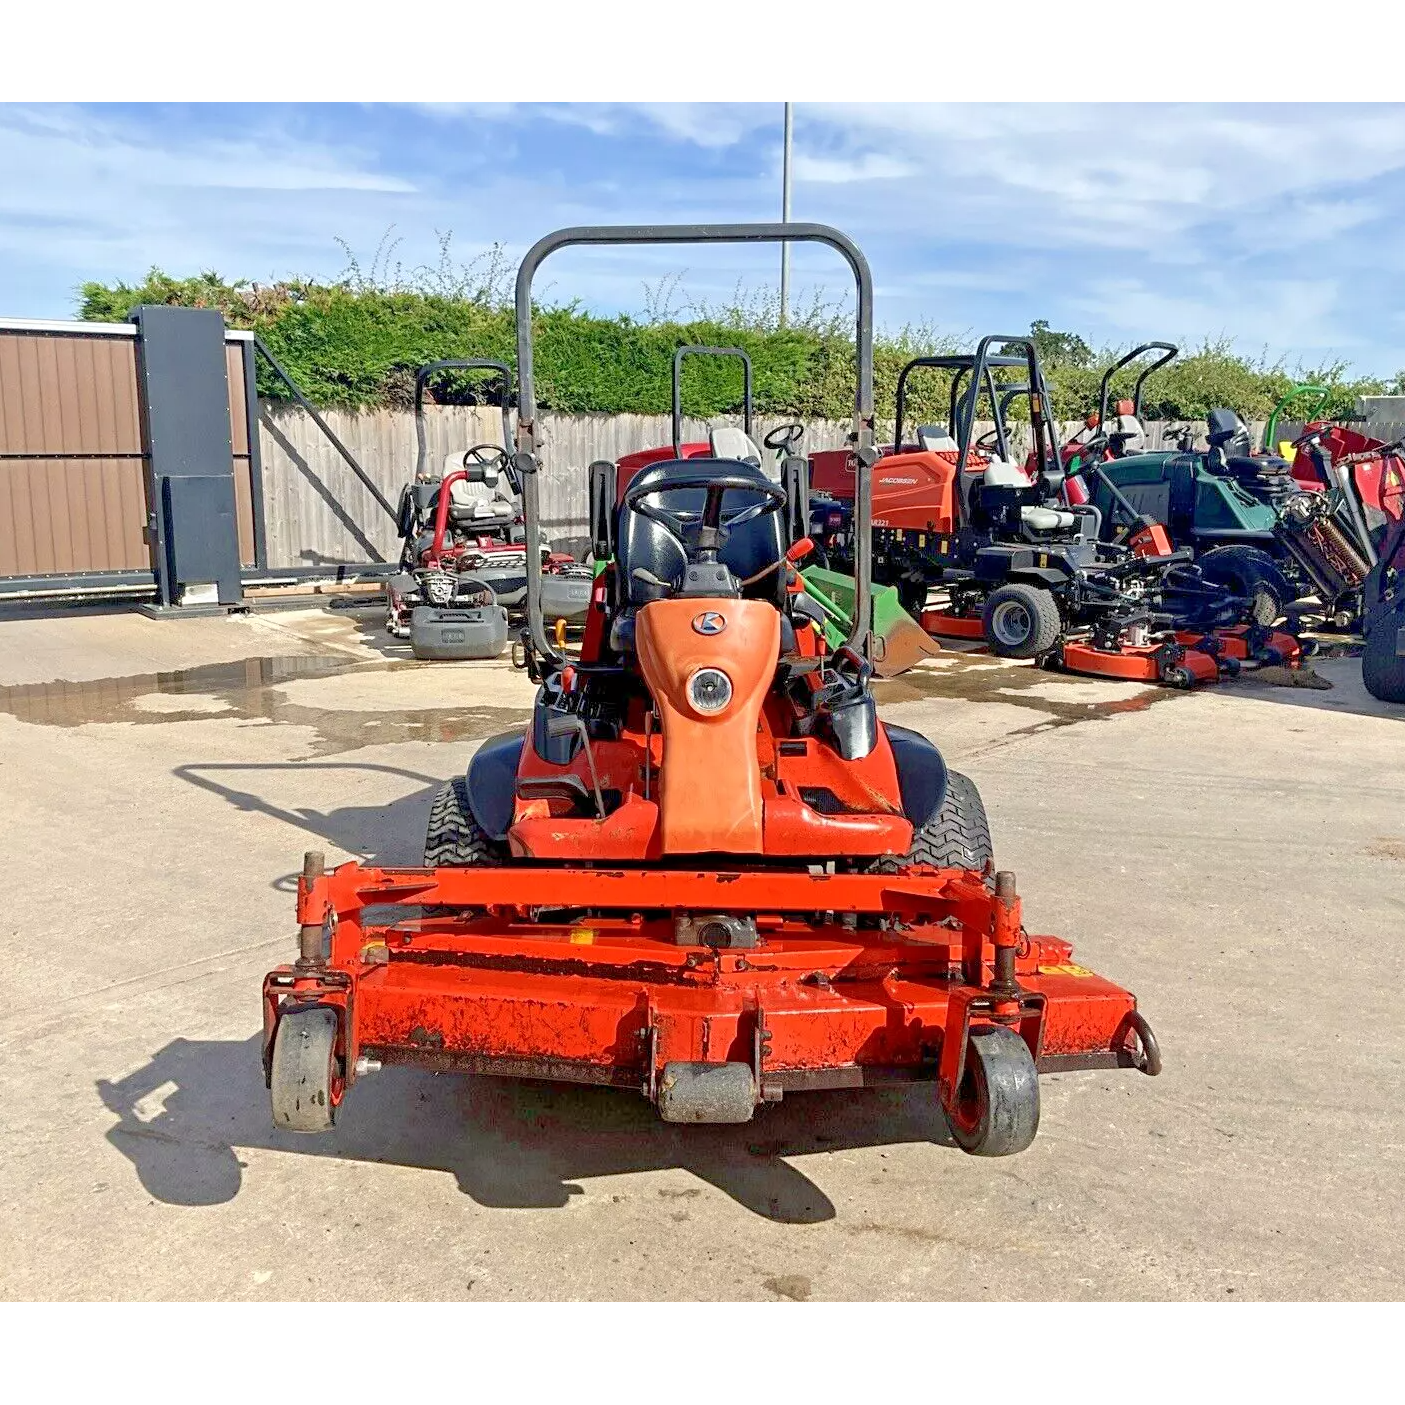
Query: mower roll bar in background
[[1319, 394], [1046, 438], [678, 358], [1105, 390], [859, 642], [960, 364], [422, 378]]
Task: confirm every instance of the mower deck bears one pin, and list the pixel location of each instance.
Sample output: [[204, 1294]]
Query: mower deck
[[1182, 659], [888, 995]]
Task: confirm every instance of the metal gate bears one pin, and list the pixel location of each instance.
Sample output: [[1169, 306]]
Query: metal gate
[[76, 487]]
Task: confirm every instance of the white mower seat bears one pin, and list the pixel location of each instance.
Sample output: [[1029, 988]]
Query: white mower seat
[[729, 443], [936, 439], [476, 502], [1038, 519], [1047, 519], [1130, 434]]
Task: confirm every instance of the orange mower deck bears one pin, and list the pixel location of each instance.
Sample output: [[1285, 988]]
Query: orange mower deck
[[505, 985]]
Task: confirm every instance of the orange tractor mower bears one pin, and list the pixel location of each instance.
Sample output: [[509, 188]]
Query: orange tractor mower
[[707, 871]]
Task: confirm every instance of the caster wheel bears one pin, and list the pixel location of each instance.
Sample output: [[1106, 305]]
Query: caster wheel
[[997, 1104], [304, 1075]]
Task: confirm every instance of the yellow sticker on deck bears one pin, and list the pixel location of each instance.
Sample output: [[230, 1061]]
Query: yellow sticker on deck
[[583, 936], [1069, 970]]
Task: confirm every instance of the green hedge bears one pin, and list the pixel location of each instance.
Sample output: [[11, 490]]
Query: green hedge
[[357, 346]]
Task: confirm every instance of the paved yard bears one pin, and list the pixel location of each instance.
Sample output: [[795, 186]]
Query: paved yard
[[1235, 857]]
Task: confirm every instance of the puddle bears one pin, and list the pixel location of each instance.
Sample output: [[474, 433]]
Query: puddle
[[253, 690], [982, 678]]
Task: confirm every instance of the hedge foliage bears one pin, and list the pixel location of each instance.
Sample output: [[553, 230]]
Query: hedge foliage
[[356, 344]]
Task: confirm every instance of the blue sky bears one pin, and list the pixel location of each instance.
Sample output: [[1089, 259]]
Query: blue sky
[[1278, 226]]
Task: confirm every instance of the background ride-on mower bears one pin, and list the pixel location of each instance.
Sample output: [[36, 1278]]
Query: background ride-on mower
[[706, 871], [464, 559], [1025, 569], [1277, 532]]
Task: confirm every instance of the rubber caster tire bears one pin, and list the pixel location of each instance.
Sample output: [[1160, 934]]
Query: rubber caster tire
[[304, 1070], [997, 1104], [1021, 621]]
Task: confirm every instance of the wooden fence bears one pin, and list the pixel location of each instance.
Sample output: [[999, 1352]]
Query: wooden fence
[[319, 513]]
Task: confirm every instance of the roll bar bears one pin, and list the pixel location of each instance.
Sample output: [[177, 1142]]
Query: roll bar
[[433, 368], [678, 358], [1046, 436], [859, 642], [960, 363], [1105, 390]]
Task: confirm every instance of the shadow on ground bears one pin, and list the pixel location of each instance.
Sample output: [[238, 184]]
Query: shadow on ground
[[387, 833], [509, 1144]]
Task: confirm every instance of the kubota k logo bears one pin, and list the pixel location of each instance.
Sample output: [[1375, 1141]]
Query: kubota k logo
[[709, 622]]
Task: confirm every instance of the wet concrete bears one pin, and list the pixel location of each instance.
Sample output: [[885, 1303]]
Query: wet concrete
[[982, 678], [257, 689]]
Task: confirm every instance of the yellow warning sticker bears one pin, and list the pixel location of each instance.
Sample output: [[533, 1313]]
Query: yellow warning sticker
[[922, 539], [583, 936], [1069, 970]]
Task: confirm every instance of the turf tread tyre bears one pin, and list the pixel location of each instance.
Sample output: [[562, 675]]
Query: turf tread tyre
[[1382, 669], [957, 836], [454, 839], [1041, 611], [1249, 571]]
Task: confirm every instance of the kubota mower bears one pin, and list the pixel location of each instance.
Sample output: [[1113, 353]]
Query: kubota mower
[[464, 560], [1025, 570], [707, 871]]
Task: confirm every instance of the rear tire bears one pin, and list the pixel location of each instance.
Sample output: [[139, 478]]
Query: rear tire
[[1382, 669], [303, 1070], [1021, 621], [957, 836], [454, 838], [1253, 573], [997, 1104]]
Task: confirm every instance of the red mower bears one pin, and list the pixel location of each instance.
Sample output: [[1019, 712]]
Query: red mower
[[707, 872], [464, 561]]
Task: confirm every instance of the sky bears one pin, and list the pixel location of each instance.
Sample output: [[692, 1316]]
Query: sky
[[1277, 226]]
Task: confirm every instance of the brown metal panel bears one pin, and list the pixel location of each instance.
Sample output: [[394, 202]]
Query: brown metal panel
[[238, 402], [244, 508], [11, 400], [44, 493], [70, 419]]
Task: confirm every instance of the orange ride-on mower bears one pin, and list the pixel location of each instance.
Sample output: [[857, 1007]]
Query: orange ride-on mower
[[707, 872]]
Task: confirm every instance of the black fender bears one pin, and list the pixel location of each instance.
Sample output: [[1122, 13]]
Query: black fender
[[921, 773], [492, 783], [1046, 576]]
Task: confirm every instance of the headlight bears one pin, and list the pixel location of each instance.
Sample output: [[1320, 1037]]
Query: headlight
[[439, 588], [709, 691]]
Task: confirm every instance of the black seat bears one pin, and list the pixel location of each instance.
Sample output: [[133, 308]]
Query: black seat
[[642, 544]]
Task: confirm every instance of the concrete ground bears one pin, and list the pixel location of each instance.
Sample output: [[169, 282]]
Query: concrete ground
[[1236, 857]]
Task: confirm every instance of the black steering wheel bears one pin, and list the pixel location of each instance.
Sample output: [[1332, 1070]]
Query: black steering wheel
[[987, 441], [783, 436], [491, 456], [705, 527]]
